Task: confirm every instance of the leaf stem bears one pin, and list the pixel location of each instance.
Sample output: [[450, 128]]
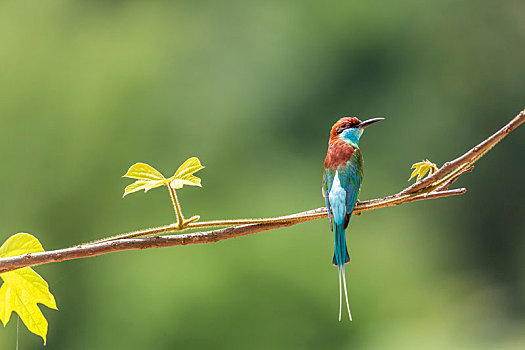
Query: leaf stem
[[176, 206]]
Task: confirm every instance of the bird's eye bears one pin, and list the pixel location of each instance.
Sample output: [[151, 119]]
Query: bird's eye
[[348, 125]]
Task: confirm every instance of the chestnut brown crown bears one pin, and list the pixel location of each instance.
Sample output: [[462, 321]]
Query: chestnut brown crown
[[343, 124]]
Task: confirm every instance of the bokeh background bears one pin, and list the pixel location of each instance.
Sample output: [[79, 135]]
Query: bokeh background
[[252, 88]]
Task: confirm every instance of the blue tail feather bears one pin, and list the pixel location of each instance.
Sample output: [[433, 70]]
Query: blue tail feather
[[341, 255]]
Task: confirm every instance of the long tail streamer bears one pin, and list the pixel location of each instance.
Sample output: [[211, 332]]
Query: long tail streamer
[[341, 285]]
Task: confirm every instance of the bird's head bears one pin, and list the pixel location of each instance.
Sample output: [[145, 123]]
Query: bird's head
[[350, 129]]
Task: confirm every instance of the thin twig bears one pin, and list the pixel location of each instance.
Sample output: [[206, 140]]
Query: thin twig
[[434, 186]]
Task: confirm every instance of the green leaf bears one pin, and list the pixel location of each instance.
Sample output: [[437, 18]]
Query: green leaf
[[184, 174], [145, 172], [23, 289], [421, 168], [148, 177], [190, 166], [178, 183], [21, 243]]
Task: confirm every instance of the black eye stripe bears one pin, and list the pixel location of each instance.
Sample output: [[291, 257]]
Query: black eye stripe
[[346, 126]]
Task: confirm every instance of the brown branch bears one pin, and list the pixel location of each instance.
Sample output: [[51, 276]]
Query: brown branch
[[434, 186], [99, 248], [468, 158]]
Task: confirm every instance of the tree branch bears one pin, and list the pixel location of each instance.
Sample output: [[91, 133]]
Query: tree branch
[[466, 160], [434, 186], [104, 247]]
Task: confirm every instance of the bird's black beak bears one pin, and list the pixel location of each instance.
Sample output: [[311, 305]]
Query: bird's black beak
[[369, 122]]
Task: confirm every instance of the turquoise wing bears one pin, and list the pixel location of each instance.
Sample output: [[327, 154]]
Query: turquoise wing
[[328, 179], [352, 177]]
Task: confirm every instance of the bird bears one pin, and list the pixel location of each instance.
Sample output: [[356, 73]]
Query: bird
[[342, 177]]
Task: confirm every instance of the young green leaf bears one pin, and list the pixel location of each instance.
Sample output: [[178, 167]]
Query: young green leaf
[[190, 166], [142, 171], [421, 168], [184, 174], [23, 289], [147, 178]]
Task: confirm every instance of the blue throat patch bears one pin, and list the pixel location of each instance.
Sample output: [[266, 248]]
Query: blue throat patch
[[351, 136]]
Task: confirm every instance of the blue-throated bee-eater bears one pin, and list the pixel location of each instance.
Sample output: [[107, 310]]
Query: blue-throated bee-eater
[[343, 173]]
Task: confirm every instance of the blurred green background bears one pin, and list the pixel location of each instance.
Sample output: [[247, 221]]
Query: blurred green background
[[252, 88]]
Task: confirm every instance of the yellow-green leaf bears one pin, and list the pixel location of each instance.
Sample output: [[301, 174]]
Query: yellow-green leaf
[[21, 243], [190, 166], [148, 177], [421, 168], [145, 172], [184, 174], [178, 183], [134, 187], [23, 289]]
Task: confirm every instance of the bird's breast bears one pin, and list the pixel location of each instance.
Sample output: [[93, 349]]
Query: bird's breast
[[339, 153]]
